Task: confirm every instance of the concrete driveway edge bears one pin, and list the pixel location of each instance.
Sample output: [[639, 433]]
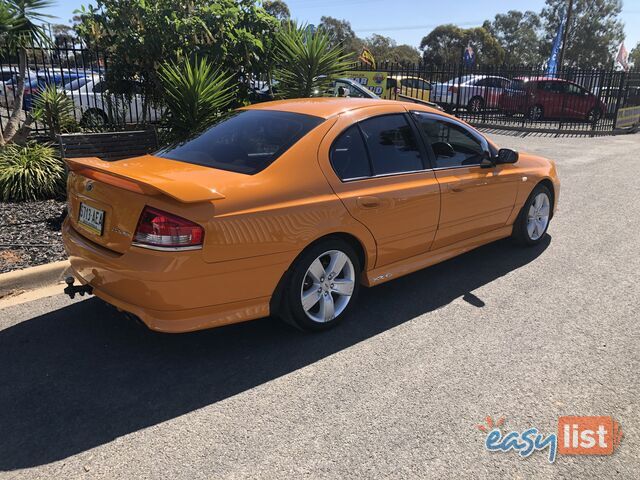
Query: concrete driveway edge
[[33, 277]]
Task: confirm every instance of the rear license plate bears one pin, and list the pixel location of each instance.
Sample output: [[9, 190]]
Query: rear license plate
[[91, 218]]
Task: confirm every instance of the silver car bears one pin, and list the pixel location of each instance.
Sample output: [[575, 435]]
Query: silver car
[[473, 92]]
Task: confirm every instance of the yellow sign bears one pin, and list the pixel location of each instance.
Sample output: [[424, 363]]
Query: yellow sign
[[374, 81], [367, 57], [628, 117]]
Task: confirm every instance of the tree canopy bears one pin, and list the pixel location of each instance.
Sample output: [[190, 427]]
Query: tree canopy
[[595, 31], [446, 43], [139, 36], [519, 35], [634, 56]]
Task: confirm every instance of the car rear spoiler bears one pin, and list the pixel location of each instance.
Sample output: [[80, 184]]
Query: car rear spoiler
[[141, 180]]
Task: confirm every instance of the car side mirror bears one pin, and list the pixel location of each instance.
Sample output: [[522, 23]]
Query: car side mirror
[[443, 149], [506, 155]]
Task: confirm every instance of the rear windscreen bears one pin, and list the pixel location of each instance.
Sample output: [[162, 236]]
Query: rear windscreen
[[243, 141]]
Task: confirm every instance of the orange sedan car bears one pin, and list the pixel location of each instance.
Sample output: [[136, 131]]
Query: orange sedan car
[[288, 207]]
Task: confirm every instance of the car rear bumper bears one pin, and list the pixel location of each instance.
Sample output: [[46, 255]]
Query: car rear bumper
[[176, 291]]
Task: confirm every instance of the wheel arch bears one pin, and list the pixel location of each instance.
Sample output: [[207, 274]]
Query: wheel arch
[[549, 184], [353, 241]]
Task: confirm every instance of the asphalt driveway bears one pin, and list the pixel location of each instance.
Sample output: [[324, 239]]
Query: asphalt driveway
[[397, 392]]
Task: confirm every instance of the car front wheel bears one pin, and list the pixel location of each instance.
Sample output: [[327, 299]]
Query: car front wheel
[[533, 221], [322, 286]]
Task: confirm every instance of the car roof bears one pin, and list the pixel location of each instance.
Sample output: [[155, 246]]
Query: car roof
[[324, 107]]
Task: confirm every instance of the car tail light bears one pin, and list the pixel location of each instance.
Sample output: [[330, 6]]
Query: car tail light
[[163, 231]]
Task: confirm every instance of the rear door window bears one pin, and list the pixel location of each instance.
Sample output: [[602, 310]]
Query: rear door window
[[243, 141], [392, 144], [349, 155]]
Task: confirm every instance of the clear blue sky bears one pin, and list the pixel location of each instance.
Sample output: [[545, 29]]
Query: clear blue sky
[[406, 21]]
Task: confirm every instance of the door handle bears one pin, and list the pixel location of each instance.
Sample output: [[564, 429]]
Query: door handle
[[368, 202]]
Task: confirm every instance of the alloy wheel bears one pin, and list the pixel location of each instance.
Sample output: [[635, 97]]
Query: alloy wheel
[[594, 115], [535, 112], [538, 216], [327, 286], [475, 105]]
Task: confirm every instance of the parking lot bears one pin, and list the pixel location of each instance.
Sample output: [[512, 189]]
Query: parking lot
[[395, 392]]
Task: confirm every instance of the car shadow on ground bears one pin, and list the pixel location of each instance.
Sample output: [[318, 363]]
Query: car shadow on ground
[[79, 377]]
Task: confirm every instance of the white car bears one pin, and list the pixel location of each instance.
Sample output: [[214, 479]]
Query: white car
[[95, 106], [8, 80], [473, 92]]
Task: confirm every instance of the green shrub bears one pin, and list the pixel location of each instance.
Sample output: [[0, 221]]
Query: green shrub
[[195, 94], [53, 108], [307, 61], [30, 172]]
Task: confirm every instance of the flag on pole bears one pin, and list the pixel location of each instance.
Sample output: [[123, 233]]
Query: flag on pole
[[367, 57], [552, 64], [622, 58], [469, 56]]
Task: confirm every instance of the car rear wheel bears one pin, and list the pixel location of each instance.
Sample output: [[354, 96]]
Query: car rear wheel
[[533, 221], [535, 113], [322, 286], [475, 105]]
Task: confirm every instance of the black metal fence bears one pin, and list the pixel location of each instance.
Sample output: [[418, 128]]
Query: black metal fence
[[583, 101], [79, 73]]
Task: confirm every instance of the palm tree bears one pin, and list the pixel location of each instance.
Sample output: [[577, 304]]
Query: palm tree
[[18, 30], [307, 60], [195, 93]]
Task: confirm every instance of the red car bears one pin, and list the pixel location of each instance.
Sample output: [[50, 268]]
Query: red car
[[543, 97]]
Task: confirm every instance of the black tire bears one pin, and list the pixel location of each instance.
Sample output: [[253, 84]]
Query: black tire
[[520, 232], [291, 310], [475, 105], [94, 117], [594, 115], [535, 113]]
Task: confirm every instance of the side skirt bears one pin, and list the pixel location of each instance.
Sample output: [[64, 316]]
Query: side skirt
[[385, 273]]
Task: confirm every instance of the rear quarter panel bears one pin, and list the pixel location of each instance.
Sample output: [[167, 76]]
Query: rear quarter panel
[[282, 209]]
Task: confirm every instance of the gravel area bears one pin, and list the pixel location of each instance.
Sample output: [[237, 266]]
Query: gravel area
[[30, 234]]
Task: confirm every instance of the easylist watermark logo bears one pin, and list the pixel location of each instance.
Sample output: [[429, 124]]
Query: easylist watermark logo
[[575, 436]]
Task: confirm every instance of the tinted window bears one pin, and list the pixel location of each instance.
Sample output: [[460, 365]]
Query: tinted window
[[349, 155], [452, 145], [391, 144], [552, 87], [575, 89], [244, 141], [348, 90], [407, 82]]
